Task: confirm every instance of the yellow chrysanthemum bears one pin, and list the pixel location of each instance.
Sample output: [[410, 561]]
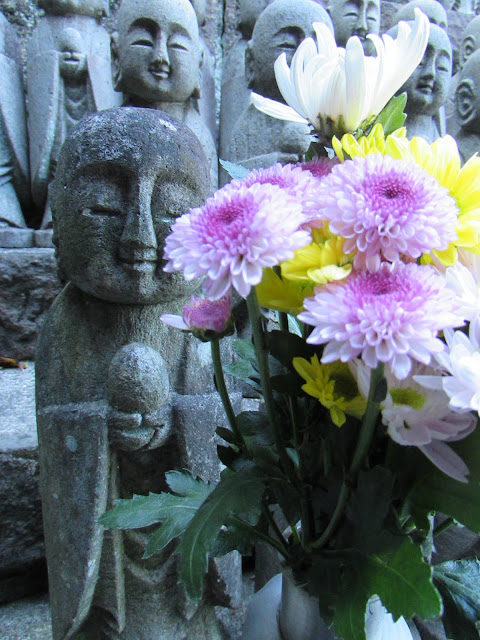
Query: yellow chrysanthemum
[[320, 262], [334, 387], [375, 142], [283, 295], [440, 159]]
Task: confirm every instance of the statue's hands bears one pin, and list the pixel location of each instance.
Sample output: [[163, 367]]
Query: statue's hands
[[294, 142], [133, 431]]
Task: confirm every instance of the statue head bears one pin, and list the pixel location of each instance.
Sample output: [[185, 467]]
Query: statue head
[[72, 58], [470, 40], [355, 18], [467, 94], [200, 7], [123, 177], [94, 8], [427, 87], [280, 28], [434, 11], [156, 52]]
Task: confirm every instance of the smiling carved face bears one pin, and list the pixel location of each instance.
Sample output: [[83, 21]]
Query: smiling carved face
[[123, 178], [159, 51]]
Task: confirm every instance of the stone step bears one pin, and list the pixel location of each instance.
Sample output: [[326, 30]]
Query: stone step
[[26, 619]]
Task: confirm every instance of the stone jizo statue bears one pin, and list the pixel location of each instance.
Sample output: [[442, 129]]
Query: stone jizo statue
[[433, 9], [355, 18], [467, 102], [121, 397], [68, 76], [427, 87], [157, 59], [258, 140], [14, 170]]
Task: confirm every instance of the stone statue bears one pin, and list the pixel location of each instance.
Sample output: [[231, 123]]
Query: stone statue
[[121, 397], [14, 172], [258, 140], [68, 76], [355, 18], [433, 9], [207, 105], [467, 101], [157, 58], [469, 44], [427, 87]]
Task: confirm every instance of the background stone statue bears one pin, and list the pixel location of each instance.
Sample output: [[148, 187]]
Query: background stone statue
[[355, 18], [433, 9], [257, 139], [427, 87], [121, 397], [14, 172], [68, 76], [157, 59], [467, 101]]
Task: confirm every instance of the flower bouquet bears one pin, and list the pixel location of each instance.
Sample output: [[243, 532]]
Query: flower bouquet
[[362, 281]]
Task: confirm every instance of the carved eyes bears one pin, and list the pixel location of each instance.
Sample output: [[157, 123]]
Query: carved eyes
[[100, 210], [143, 42]]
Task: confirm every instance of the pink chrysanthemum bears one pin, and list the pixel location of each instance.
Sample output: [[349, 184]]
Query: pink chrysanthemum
[[202, 314], [319, 167], [391, 316], [234, 236], [288, 177], [386, 207]]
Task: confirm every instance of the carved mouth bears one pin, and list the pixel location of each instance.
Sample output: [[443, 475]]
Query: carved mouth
[[140, 266], [160, 74], [425, 87]]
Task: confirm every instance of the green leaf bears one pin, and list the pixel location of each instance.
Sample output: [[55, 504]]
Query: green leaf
[[349, 618], [237, 537], [235, 171], [403, 581], [436, 491], [254, 424], [244, 348], [238, 494], [458, 583], [286, 346], [392, 117], [143, 511], [226, 434], [241, 369], [290, 384]]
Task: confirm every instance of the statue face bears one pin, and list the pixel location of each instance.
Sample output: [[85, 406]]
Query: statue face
[[200, 10], [355, 18], [280, 29], [95, 8], [427, 87], [120, 184], [434, 11], [470, 40], [467, 94], [72, 58], [159, 52]]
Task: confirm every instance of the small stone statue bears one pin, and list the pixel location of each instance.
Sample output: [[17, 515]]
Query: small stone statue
[[157, 58], [121, 397], [68, 76], [433, 9], [14, 172], [427, 87], [467, 100], [469, 44], [355, 18], [258, 140]]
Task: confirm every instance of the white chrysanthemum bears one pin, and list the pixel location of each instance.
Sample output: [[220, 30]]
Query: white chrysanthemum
[[337, 89], [379, 624], [465, 282]]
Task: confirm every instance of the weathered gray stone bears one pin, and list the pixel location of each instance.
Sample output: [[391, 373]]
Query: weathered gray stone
[[43, 238], [355, 18], [29, 284], [164, 74], [467, 102], [258, 140], [22, 554], [14, 238], [68, 76], [27, 619], [14, 170], [100, 438], [433, 9]]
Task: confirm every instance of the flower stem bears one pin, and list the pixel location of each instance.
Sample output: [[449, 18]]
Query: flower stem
[[366, 434], [261, 351], [222, 390], [281, 548]]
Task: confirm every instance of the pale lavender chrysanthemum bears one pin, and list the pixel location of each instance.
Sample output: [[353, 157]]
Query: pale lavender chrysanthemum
[[385, 208], [319, 167], [237, 233], [390, 316], [202, 314]]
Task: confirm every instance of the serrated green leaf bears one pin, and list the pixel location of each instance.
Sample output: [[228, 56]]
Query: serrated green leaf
[[238, 494], [286, 346], [244, 348], [436, 491], [349, 618], [255, 424], [392, 116], [403, 581], [458, 582], [237, 537], [186, 484], [235, 171]]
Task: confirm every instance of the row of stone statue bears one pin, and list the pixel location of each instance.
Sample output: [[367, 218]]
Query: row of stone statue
[[157, 59]]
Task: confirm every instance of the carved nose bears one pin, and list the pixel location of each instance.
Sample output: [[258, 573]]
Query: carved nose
[[160, 51], [138, 242]]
